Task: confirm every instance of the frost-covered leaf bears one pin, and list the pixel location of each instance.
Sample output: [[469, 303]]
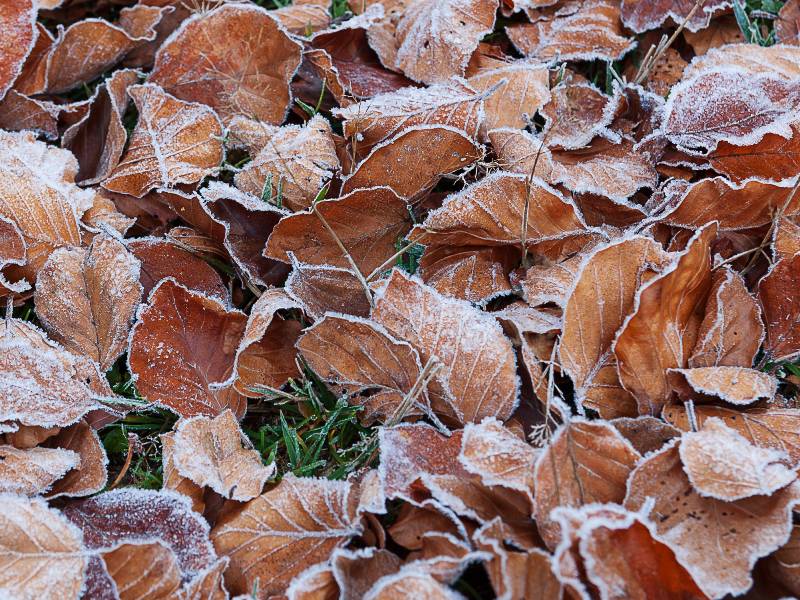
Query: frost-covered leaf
[[377, 370], [478, 375], [278, 534], [172, 480], [41, 553], [735, 385], [174, 142], [210, 452], [455, 103], [235, 58], [585, 462], [293, 164], [575, 115], [781, 61], [32, 471], [410, 582], [664, 324], [645, 434], [367, 222], [18, 24], [595, 310], [432, 40], [719, 544], [147, 570], [592, 32], [722, 464], [87, 298], [182, 348], [39, 195], [781, 305], [12, 252], [414, 160], [246, 223], [731, 332], [303, 16], [324, 288], [643, 16], [43, 384], [90, 476], [266, 353]]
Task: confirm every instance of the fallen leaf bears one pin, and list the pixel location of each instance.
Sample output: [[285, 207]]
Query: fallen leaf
[[303, 16], [646, 434], [90, 476], [181, 351], [210, 453], [276, 535], [87, 298], [236, 59], [18, 23], [735, 385], [143, 570], [722, 464], [576, 114], [173, 142], [640, 16], [323, 288], [40, 551], [33, 471], [781, 308], [12, 252]]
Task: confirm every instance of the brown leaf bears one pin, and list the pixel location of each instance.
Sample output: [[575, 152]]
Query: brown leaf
[[323, 288], [701, 112], [595, 310], [430, 41], [173, 142], [303, 16], [39, 195], [236, 59], [40, 551], [33, 471], [97, 139], [266, 354], [247, 223], [456, 103], [18, 24], [210, 453], [576, 114], [780, 61], [356, 571], [130, 516], [786, 242], [293, 164], [646, 434], [87, 298], [408, 582], [524, 89], [497, 456], [722, 464], [367, 222], [103, 215], [43, 384], [414, 160], [643, 16], [12, 252], [592, 32], [161, 258], [787, 30], [478, 375], [781, 306], [663, 327], [719, 544], [19, 112], [731, 332], [721, 31], [208, 584], [378, 371], [490, 213], [735, 385], [182, 349], [278, 534], [774, 157], [516, 574], [617, 552], [90, 476], [735, 206], [147, 570], [172, 480], [585, 462]]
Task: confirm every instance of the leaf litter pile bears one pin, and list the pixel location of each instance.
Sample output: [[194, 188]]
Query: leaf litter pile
[[399, 299]]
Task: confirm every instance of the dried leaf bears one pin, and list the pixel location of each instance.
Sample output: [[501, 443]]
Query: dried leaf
[[735, 385], [367, 222], [235, 58], [41, 553], [33, 471], [210, 453], [643, 16], [585, 462], [276, 535], [378, 371], [719, 544], [323, 288], [664, 324], [722, 464], [303, 16], [575, 115], [293, 164], [143, 570], [596, 308], [414, 160], [12, 252], [172, 480], [182, 349], [781, 306], [646, 434], [478, 376], [433, 40], [18, 24], [90, 476], [87, 298], [173, 142]]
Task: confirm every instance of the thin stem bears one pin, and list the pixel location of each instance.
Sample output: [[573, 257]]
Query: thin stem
[[392, 258], [526, 209]]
